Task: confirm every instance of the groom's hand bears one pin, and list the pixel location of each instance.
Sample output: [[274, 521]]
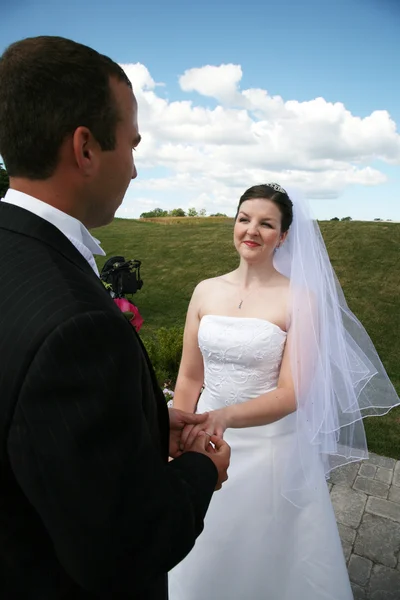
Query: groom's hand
[[178, 420], [215, 424], [220, 455]]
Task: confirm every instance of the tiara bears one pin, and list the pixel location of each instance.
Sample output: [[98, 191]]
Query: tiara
[[277, 188]]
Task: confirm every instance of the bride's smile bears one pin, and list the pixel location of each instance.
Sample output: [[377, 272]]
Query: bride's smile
[[257, 232]]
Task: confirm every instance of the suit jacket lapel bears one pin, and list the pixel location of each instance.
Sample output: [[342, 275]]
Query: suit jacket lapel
[[19, 220]]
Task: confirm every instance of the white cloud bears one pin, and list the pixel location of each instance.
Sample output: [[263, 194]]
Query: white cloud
[[139, 76], [211, 155], [217, 82]]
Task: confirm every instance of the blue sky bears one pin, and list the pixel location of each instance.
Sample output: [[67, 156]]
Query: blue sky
[[341, 51]]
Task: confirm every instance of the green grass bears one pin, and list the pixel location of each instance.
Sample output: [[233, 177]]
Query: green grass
[[178, 253]]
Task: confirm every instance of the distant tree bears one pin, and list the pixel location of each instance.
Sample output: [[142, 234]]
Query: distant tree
[[177, 212], [159, 212], [346, 219], [192, 212], [4, 181], [335, 219], [377, 219], [218, 215], [202, 212], [156, 213]]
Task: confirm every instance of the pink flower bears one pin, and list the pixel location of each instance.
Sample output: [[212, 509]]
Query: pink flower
[[130, 311]]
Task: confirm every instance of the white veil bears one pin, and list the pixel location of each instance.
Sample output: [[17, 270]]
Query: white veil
[[339, 378]]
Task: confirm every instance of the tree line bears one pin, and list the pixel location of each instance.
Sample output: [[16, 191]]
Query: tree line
[[350, 219], [178, 212]]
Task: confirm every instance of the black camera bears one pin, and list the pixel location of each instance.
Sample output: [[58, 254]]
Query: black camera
[[122, 276]]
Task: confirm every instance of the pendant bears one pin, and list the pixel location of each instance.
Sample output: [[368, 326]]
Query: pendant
[[240, 304]]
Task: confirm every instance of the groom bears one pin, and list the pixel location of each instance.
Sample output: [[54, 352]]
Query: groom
[[90, 507]]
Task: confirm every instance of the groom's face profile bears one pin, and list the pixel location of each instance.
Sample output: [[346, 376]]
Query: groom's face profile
[[116, 168]]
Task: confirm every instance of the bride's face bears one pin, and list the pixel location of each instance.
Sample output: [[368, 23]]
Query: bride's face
[[257, 230]]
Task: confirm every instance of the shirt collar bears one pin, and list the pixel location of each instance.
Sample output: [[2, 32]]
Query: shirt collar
[[69, 226]]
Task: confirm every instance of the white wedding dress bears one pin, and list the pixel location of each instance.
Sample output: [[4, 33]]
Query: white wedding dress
[[256, 545]]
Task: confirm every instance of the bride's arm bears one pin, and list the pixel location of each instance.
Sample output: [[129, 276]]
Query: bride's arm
[[191, 370], [268, 407]]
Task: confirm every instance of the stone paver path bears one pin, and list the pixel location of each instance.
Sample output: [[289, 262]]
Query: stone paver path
[[366, 500]]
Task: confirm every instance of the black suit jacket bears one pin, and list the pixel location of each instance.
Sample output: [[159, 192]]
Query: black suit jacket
[[89, 505]]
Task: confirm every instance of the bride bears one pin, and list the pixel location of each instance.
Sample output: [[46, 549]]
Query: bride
[[288, 375]]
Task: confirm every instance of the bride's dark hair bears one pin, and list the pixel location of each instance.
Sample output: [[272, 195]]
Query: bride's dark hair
[[277, 195]]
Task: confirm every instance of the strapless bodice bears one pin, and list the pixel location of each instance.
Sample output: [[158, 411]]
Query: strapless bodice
[[242, 358]]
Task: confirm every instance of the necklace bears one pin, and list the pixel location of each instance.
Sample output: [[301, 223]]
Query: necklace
[[243, 299]]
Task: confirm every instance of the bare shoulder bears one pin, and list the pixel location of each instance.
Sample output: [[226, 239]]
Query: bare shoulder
[[209, 296], [282, 283], [205, 286]]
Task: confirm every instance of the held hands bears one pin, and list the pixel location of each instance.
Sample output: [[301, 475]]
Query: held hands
[[178, 420], [217, 449], [214, 424]]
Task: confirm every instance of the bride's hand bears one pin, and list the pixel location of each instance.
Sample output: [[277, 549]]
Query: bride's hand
[[214, 425]]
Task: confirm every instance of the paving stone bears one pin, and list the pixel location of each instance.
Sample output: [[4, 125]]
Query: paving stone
[[396, 475], [358, 592], [367, 470], [385, 475], [360, 569], [394, 494], [347, 534], [348, 505], [345, 475], [381, 461], [384, 584], [372, 487], [379, 540], [383, 508]]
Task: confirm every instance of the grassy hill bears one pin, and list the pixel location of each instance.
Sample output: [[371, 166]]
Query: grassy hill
[[178, 253]]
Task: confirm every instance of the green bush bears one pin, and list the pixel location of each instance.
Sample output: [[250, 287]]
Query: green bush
[[164, 347]]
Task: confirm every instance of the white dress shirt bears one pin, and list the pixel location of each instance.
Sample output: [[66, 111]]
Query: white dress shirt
[[73, 229]]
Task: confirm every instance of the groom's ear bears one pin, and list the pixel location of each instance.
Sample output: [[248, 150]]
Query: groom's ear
[[86, 150]]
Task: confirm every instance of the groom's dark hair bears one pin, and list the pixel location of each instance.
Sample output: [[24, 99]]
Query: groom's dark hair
[[49, 86]]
